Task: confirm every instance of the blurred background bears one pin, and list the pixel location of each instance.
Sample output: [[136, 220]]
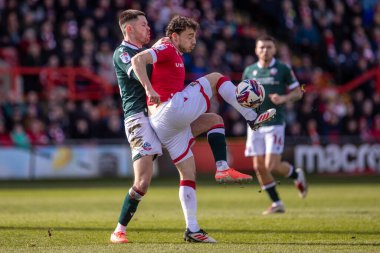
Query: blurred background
[[61, 113]]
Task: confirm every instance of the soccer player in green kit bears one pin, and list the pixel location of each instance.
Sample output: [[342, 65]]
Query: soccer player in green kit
[[144, 143], [267, 143]]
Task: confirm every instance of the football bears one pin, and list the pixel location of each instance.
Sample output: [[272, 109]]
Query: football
[[250, 93]]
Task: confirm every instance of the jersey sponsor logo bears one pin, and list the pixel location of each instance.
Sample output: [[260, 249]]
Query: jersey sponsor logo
[[179, 65], [124, 57], [267, 80], [146, 146], [273, 71], [254, 73]]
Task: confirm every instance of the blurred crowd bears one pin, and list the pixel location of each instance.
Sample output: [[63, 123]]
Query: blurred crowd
[[328, 43]]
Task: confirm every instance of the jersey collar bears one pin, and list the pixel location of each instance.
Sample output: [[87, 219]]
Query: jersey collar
[[128, 44], [270, 65], [178, 51]]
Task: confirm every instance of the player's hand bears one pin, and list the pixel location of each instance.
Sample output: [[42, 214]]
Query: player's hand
[[277, 99], [153, 97], [160, 41]]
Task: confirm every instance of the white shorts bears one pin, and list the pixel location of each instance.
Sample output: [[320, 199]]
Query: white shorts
[[265, 140], [173, 118], [141, 137]]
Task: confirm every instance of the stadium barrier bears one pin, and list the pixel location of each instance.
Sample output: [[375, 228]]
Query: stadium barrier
[[97, 160], [82, 83]]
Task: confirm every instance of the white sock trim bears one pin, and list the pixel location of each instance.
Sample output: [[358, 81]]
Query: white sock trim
[[120, 228], [266, 186], [291, 169], [217, 130], [222, 165]]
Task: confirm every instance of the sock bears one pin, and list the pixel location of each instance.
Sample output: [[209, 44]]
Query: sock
[[129, 207], [227, 90], [120, 228], [271, 190], [292, 173], [217, 140], [188, 200]]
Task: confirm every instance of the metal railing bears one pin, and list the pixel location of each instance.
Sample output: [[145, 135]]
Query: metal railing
[[67, 77], [96, 87]]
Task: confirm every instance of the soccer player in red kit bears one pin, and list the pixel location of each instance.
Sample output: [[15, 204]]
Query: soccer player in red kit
[[173, 107]]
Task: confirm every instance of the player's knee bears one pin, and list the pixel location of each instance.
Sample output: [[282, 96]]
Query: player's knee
[[216, 119], [213, 78], [272, 166], [142, 185]]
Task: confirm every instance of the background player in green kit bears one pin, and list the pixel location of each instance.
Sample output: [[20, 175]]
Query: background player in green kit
[[267, 143], [143, 140]]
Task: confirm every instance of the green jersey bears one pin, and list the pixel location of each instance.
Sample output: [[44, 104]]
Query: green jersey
[[132, 92], [277, 78]]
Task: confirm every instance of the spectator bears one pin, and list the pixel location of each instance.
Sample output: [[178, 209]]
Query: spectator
[[5, 138], [329, 43], [375, 131], [19, 137], [36, 133]]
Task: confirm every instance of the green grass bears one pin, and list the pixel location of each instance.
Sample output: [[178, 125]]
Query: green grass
[[339, 215]]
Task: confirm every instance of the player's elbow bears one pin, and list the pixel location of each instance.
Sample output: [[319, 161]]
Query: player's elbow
[[135, 61]]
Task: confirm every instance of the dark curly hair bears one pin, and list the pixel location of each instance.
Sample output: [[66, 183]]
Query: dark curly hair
[[179, 24]]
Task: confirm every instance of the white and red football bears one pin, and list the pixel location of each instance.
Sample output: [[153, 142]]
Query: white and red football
[[250, 93]]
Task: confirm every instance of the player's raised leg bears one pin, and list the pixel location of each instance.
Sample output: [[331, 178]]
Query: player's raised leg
[[214, 126], [226, 89]]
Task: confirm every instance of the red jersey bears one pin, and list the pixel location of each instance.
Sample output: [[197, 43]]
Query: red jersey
[[168, 76]]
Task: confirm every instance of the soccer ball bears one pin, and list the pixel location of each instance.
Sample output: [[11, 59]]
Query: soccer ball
[[250, 93]]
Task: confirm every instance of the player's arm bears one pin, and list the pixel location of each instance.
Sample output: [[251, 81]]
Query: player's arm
[[160, 41], [293, 85], [293, 95], [139, 63]]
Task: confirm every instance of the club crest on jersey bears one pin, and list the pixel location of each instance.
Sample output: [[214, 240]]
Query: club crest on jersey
[[124, 57], [273, 71], [146, 146], [254, 72], [194, 83]]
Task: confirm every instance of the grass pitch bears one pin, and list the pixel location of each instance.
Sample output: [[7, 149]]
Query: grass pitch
[[339, 215]]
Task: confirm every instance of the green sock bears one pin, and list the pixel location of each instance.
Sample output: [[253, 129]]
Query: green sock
[[218, 146], [270, 188], [128, 210]]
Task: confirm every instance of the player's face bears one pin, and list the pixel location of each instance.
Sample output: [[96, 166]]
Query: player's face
[[187, 40], [265, 50], [141, 30]]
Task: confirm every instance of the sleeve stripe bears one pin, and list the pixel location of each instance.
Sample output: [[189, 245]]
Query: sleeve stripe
[[294, 85], [129, 71], [153, 53]]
